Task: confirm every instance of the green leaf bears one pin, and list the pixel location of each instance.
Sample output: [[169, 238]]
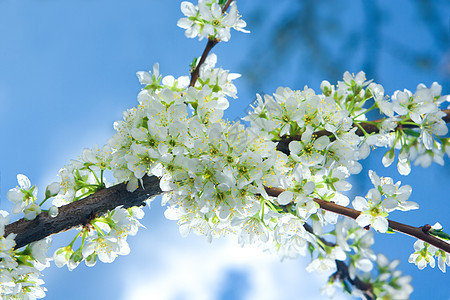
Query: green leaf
[[193, 64], [439, 233]]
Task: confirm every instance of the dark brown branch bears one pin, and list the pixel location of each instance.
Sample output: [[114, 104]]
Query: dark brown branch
[[196, 72], [447, 117], [81, 212], [418, 232]]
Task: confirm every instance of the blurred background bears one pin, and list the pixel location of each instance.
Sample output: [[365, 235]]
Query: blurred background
[[67, 71]]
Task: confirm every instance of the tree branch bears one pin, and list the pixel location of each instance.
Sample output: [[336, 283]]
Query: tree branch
[[79, 213], [420, 232]]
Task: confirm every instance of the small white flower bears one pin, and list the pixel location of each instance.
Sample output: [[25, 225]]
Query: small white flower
[[423, 255], [106, 247], [39, 250], [52, 189], [372, 212], [206, 20], [253, 230], [309, 150]]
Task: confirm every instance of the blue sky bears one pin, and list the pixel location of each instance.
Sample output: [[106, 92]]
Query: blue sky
[[67, 71]]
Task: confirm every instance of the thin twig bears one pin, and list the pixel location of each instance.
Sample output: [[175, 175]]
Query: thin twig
[[196, 72], [342, 272], [211, 43]]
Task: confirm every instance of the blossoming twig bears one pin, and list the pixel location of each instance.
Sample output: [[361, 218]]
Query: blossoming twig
[[209, 46], [196, 72], [342, 272], [417, 232]]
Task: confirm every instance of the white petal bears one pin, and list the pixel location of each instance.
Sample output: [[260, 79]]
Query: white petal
[[144, 77], [404, 167], [389, 189], [285, 197], [390, 203], [360, 204], [295, 147], [24, 182], [188, 9], [363, 220], [374, 178], [380, 224], [322, 142], [364, 265]]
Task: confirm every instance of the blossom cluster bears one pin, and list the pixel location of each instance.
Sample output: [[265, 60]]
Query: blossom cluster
[[206, 20], [425, 253], [384, 198], [20, 270], [260, 180]]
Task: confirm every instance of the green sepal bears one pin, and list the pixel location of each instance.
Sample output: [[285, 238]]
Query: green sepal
[[77, 256], [193, 64], [311, 249], [411, 132], [25, 260], [390, 230], [377, 291]]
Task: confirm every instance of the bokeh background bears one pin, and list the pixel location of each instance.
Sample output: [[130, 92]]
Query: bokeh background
[[67, 71]]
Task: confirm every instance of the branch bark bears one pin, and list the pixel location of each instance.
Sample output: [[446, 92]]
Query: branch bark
[[79, 213]]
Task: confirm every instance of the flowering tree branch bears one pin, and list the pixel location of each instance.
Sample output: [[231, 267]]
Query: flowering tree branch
[[176, 140], [196, 72], [420, 232], [211, 43], [80, 212]]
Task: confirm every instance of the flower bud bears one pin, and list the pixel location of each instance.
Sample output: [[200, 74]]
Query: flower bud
[[52, 190]]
